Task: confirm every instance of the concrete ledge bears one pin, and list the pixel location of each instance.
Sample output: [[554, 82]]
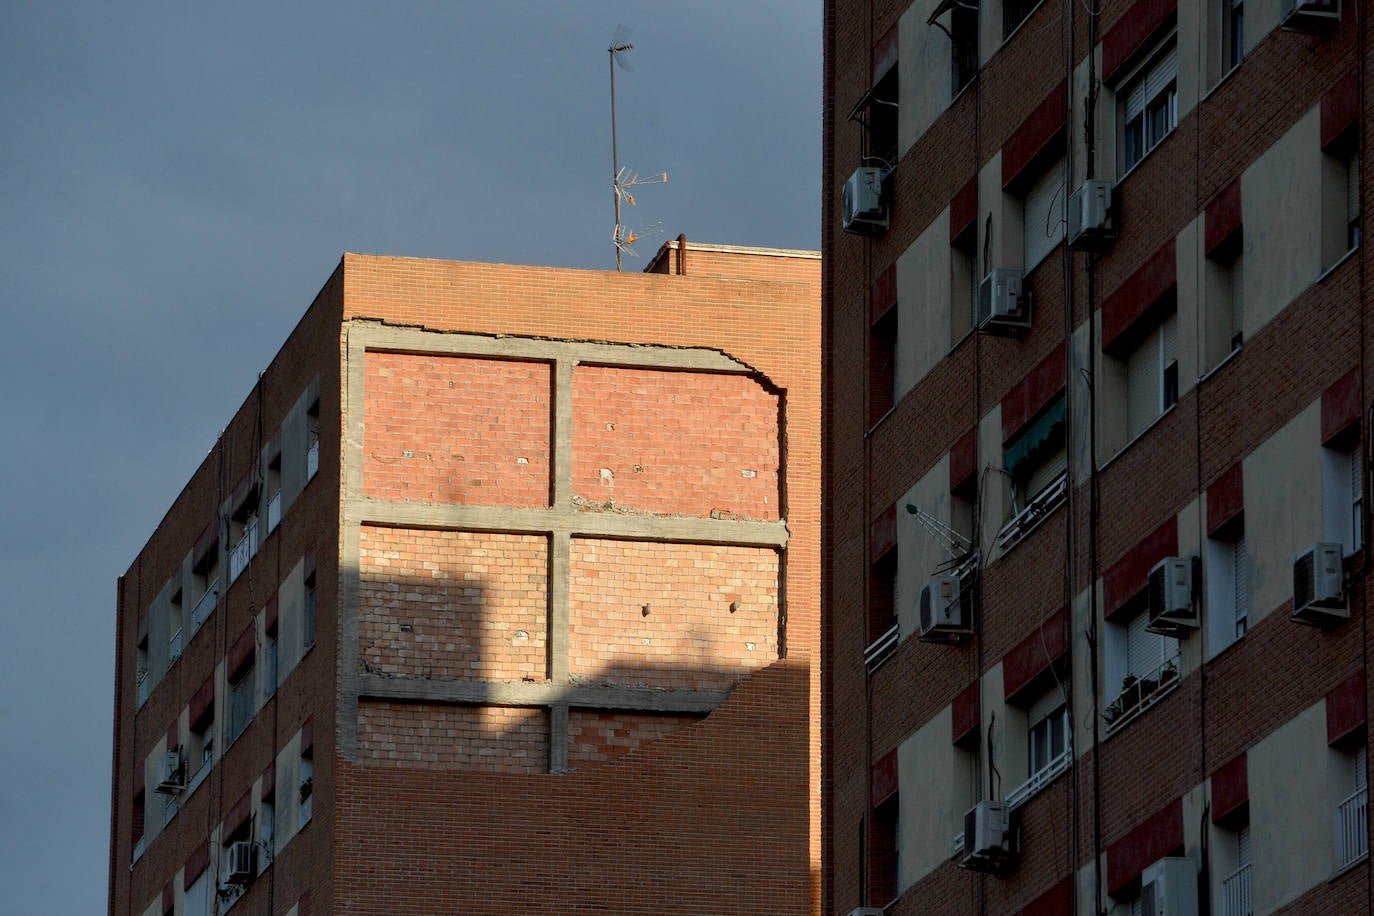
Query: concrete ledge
[[490, 693]]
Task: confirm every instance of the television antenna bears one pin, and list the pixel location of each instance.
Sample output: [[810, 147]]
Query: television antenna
[[623, 180]]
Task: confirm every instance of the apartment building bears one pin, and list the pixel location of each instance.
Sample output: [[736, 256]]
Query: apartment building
[[498, 594], [1095, 456]]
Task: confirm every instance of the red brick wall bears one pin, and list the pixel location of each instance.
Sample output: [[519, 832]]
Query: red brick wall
[[456, 430], [597, 737], [482, 739], [684, 443], [664, 830], [689, 638], [453, 604]]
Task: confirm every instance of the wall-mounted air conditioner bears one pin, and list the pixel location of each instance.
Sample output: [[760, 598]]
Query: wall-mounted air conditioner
[[863, 203], [240, 869], [1169, 594], [1169, 888], [990, 838], [945, 609], [1092, 216], [171, 778], [1318, 587], [1310, 15], [1003, 306]]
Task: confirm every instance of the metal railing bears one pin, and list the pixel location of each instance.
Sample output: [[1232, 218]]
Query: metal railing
[[1039, 780], [1036, 510], [274, 512], [204, 607], [1235, 893], [1140, 693], [1352, 826], [882, 647], [244, 550]]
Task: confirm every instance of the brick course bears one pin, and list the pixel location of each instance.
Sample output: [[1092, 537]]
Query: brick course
[[480, 739]]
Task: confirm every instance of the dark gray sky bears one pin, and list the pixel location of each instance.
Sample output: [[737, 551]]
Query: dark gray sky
[[176, 183]]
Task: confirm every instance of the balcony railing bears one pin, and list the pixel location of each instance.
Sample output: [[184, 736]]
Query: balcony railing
[[204, 607], [244, 550], [1044, 777], [1140, 693], [274, 512], [882, 647], [1023, 522], [1352, 824], [1235, 893]]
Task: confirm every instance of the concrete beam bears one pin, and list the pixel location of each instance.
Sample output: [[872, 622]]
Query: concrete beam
[[491, 693]]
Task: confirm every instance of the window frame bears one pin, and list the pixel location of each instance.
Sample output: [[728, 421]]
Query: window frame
[[1161, 64]]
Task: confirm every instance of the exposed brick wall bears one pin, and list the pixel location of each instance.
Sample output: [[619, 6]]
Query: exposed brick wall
[[453, 604], [483, 739], [456, 430], [689, 638], [597, 737], [685, 443]]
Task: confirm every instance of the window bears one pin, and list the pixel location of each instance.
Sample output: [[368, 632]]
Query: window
[[141, 673], [273, 493], [1224, 300], [243, 534], [205, 582], [1037, 460], [138, 820], [880, 122], [1047, 735], [241, 701], [197, 900], [174, 620], [267, 825], [1352, 814], [1145, 663], [269, 662], [307, 785], [312, 448], [1014, 12], [230, 891], [1151, 377], [1340, 198], [882, 366], [1148, 106], [1234, 849], [963, 32], [1343, 492], [885, 848], [1228, 587], [963, 284], [200, 751], [1042, 225], [882, 596], [309, 611], [1233, 31]]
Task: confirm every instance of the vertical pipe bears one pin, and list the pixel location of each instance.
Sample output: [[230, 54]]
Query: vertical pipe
[[615, 162]]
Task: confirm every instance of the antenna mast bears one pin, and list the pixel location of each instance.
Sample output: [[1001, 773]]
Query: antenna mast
[[622, 180]]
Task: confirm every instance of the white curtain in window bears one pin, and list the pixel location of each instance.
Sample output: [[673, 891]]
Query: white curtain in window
[[1043, 225]]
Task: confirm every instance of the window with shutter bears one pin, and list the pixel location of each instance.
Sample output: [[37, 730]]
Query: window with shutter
[[1043, 224], [1146, 652], [1241, 574], [1149, 106]]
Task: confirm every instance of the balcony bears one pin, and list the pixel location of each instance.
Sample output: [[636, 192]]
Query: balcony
[[1040, 506], [274, 512], [204, 607], [244, 550], [1235, 893], [1039, 780], [1140, 693], [1352, 820]]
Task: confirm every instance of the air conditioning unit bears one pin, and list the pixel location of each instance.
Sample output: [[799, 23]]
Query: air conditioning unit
[[1092, 216], [945, 609], [1169, 594], [864, 205], [990, 840], [1318, 588], [242, 860], [1310, 15], [1169, 888], [171, 778], [1003, 306]]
